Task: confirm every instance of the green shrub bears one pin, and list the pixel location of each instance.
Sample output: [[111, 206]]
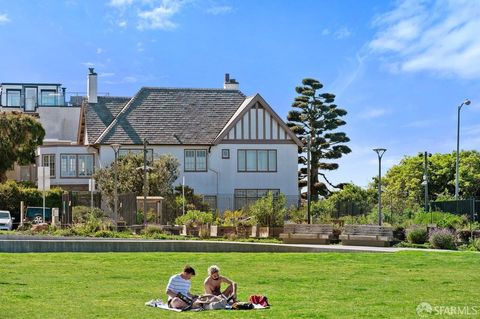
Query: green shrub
[[417, 235], [81, 214], [322, 211], [233, 218], [104, 234], [442, 239], [151, 230], [269, 210], [297, 216], [441, 219], [476, 244], [12, 193], [194, 218]]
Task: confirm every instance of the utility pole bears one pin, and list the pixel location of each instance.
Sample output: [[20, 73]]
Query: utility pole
[[145, 181], [308, 180]]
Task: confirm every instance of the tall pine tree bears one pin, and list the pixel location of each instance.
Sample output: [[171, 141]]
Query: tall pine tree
[[316, 115]]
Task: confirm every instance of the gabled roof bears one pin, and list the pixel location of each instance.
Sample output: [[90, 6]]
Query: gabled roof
[[100, 115], [248, 104], [195, 116]]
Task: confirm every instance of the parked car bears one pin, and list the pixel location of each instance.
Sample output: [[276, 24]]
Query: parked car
[[35, 215], [6, 220]]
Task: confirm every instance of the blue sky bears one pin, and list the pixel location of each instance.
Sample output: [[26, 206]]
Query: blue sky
[[399, 68]]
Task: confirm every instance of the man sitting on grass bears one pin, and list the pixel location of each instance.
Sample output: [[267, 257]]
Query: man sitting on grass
[[178, 289], [214, 281]]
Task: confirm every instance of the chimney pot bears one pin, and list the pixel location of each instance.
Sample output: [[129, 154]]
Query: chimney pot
[[230, 84]]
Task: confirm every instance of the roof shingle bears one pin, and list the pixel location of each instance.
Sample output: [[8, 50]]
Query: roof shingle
[[196, 116]]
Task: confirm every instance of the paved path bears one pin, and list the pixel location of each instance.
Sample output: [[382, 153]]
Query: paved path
[[41, 244]]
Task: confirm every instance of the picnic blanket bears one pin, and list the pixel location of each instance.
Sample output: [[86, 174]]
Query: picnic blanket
[[158, 303]]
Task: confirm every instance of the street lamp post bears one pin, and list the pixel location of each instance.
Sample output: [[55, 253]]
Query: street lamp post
[[380, 152], [426, 155], [308, 180], [116, 149], [466, 102]]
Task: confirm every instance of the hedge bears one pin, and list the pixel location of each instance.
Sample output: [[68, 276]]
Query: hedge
[[12, 193]]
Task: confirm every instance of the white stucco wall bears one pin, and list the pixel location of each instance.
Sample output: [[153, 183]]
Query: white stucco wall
[[65, 149], [60, 123], [229, 178]]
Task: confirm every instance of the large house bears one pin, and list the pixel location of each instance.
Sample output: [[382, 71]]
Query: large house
[[232, 148]]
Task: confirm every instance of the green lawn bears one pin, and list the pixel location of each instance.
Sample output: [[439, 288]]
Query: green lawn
[[323, 285]]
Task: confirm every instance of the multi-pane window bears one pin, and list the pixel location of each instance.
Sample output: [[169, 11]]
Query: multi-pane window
[[246, 197], [211, 200], [48, 97], [257, 160], [195, 160], [49, 161], [85, 165], [13, 97], [76, 165]]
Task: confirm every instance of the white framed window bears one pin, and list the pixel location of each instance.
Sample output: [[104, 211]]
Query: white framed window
[[85, 165], [49, 160], [48, 97], [257, 160], [195, 161], [225, 153], [76, 165], [246, 197], [68, 165], [13, 97]]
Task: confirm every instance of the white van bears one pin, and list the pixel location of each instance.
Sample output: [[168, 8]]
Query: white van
[[6, 220]]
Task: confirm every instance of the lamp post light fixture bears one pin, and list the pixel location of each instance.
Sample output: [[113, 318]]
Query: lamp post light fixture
[[466, 102], [116, 149], [380, 152]]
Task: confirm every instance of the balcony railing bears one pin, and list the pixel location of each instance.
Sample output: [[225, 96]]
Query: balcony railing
[[47, 100]]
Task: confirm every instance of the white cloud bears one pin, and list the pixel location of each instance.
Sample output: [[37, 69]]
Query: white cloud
[[140, 47], [441, 38], [122, 23], [216, 10], [4, 18], [160, 17], [120, 3], [100, 50], [341, 33], [374, 113]]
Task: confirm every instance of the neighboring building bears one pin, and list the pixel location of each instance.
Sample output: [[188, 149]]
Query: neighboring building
[[59, 118], [232, 148]]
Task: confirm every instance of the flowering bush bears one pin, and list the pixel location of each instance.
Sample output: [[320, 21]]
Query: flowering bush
[[442, 239]]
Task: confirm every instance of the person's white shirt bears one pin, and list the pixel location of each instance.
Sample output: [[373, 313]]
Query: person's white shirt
[[179, 285]]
